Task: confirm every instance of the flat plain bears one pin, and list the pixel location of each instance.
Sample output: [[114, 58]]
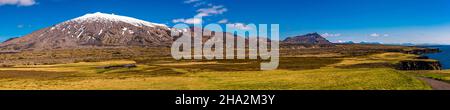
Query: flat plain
[[344, 67]]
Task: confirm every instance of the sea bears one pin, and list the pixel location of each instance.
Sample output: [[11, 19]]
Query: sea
[[443, 57]]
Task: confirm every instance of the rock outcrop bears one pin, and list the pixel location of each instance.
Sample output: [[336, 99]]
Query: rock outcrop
[[421, 62], [420, 51], [419, 65]]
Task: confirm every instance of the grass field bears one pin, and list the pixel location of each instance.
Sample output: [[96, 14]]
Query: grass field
[[442, 75], [368, 72]]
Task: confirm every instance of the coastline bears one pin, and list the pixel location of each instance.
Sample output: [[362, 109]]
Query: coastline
[[421, 62], [440, 55]]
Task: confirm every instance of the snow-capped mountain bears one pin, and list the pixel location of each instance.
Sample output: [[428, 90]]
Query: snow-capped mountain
[[105, 18], [96, 29]]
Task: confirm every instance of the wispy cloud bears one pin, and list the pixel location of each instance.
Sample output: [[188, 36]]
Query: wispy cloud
[[208, 10], [223, 21], [331, 35], [188, 21], [18, 2], [199, 4], [212, 10], [378, 35], [191, 1], [374, 35], [240, 26]]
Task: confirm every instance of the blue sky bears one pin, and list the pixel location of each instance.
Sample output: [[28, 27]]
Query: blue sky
[[387, 21]]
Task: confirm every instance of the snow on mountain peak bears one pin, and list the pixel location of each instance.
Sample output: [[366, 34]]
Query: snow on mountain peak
[[98, 16]]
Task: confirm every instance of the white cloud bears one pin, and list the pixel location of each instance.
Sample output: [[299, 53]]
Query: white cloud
[[199, 4], [203, 12], [191, 1], [209, 10], [378, 35], [223, 21], [18, 2], [212, 10], [331, 35], [374, 35], [188, 21], [178, 20], [241, 26]]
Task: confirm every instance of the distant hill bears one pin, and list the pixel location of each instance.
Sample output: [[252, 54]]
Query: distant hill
[[363, 42], [309, 39], [346, 42]]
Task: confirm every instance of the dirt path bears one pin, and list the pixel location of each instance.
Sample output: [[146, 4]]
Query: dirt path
[[435, 84]]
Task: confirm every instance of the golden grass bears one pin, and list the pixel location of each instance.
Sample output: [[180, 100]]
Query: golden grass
[[188, 63], [443, 75], [85, 76], [323, 79], [390, 57], [71, 67]]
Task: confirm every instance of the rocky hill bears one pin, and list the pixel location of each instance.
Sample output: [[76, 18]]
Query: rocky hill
[[311, 39], [97, 29]]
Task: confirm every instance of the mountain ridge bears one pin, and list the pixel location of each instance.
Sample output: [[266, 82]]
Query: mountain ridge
[[103, 30]]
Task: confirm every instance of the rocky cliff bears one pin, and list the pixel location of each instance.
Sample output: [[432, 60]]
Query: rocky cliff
[[419, 51], [419, 65]]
